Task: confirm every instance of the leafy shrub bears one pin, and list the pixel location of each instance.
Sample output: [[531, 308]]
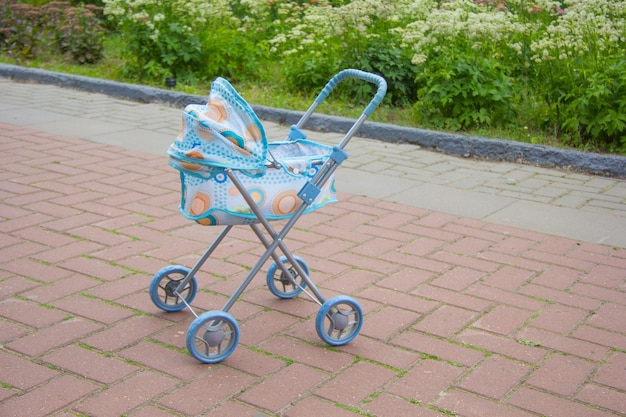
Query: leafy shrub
[[466, 93], [77, 30], [18, 29], [594, 110], [25, 29], [357, 34], [187, 39]]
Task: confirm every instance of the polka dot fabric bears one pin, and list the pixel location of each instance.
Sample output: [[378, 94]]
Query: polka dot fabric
[[225, 133]]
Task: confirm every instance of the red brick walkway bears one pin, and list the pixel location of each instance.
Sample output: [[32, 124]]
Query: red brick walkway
[[463, 317]]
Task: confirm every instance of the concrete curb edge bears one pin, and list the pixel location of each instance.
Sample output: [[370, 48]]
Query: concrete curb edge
[[464, 146]]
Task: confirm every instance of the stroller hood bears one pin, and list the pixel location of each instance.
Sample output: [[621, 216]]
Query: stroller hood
[[223, 133]]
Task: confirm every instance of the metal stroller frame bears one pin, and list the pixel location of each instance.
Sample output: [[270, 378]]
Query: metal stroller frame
[[214, 335]]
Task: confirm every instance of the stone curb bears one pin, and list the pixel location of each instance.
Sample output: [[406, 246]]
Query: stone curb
[[465, 146]]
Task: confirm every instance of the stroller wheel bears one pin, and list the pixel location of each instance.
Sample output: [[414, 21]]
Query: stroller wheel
[[212, 336], [339, 320], [280, 285], [164, 286]]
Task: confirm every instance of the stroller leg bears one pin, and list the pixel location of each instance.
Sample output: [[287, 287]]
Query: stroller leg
[[174, 286], [277, 237], [298, 268]]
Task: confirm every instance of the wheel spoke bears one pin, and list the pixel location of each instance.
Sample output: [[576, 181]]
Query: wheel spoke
[[339, 320]]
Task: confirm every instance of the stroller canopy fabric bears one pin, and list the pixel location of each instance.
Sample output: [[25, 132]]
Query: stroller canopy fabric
[[225, 133], [224, 138]]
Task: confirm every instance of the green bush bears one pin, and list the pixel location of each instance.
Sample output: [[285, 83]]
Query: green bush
[[19, 29], [26, 30], [594, 110], [191, 40], [470, 92]]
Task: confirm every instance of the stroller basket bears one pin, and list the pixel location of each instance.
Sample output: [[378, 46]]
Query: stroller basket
[[226, 134], [231, 175]]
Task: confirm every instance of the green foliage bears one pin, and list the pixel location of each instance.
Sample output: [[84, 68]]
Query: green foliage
[[77, 31], [26, 30], [594, 109], [189, 40], [18, 29], [391, 62], [466, 93]]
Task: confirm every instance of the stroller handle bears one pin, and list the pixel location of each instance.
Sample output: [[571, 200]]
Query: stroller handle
[[361, 75]]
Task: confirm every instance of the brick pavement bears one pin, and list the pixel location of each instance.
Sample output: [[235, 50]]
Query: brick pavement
[[462, 317]]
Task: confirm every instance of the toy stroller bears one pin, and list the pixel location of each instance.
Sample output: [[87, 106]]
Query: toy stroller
[[231, 175]]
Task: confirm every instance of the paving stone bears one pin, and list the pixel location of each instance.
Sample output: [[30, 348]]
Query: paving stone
[[500, 296], [9, 331], [368, 348], [388, 322], [438, 348], [120, 398], [90, 364], [502, 345], [457, 279], [405, 280], [60, 254], [610, 374], [503, 320], [610, 317], [58, 335], [468, 405], [445, 321], [254, 362], [357, 383], [561, 374], [389, 405], [29, 313], [426, 381], [262, 327], [559, 318], [164, 360], [551, 405], [18, 372], [352, 282], [152, 411], [93, 309], [291, 382], [293, 349], [495, 377], [600, 337], [207, 391], [94, 268], [317, 406], [45, 294], [114, 290], [562, 343], [558, 277], [125, 333], [15, 285], [604, 397], [48, 398], [453, 298]]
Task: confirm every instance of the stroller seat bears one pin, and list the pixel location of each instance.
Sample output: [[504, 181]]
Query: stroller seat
[[225, 134]]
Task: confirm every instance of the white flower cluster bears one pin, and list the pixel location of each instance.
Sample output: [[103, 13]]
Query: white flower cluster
[[356, 20], [149, 14], [549, 29], [465, 24], [584, 27]]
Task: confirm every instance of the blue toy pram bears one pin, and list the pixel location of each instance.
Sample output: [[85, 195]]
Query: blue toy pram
[[230, 175]]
